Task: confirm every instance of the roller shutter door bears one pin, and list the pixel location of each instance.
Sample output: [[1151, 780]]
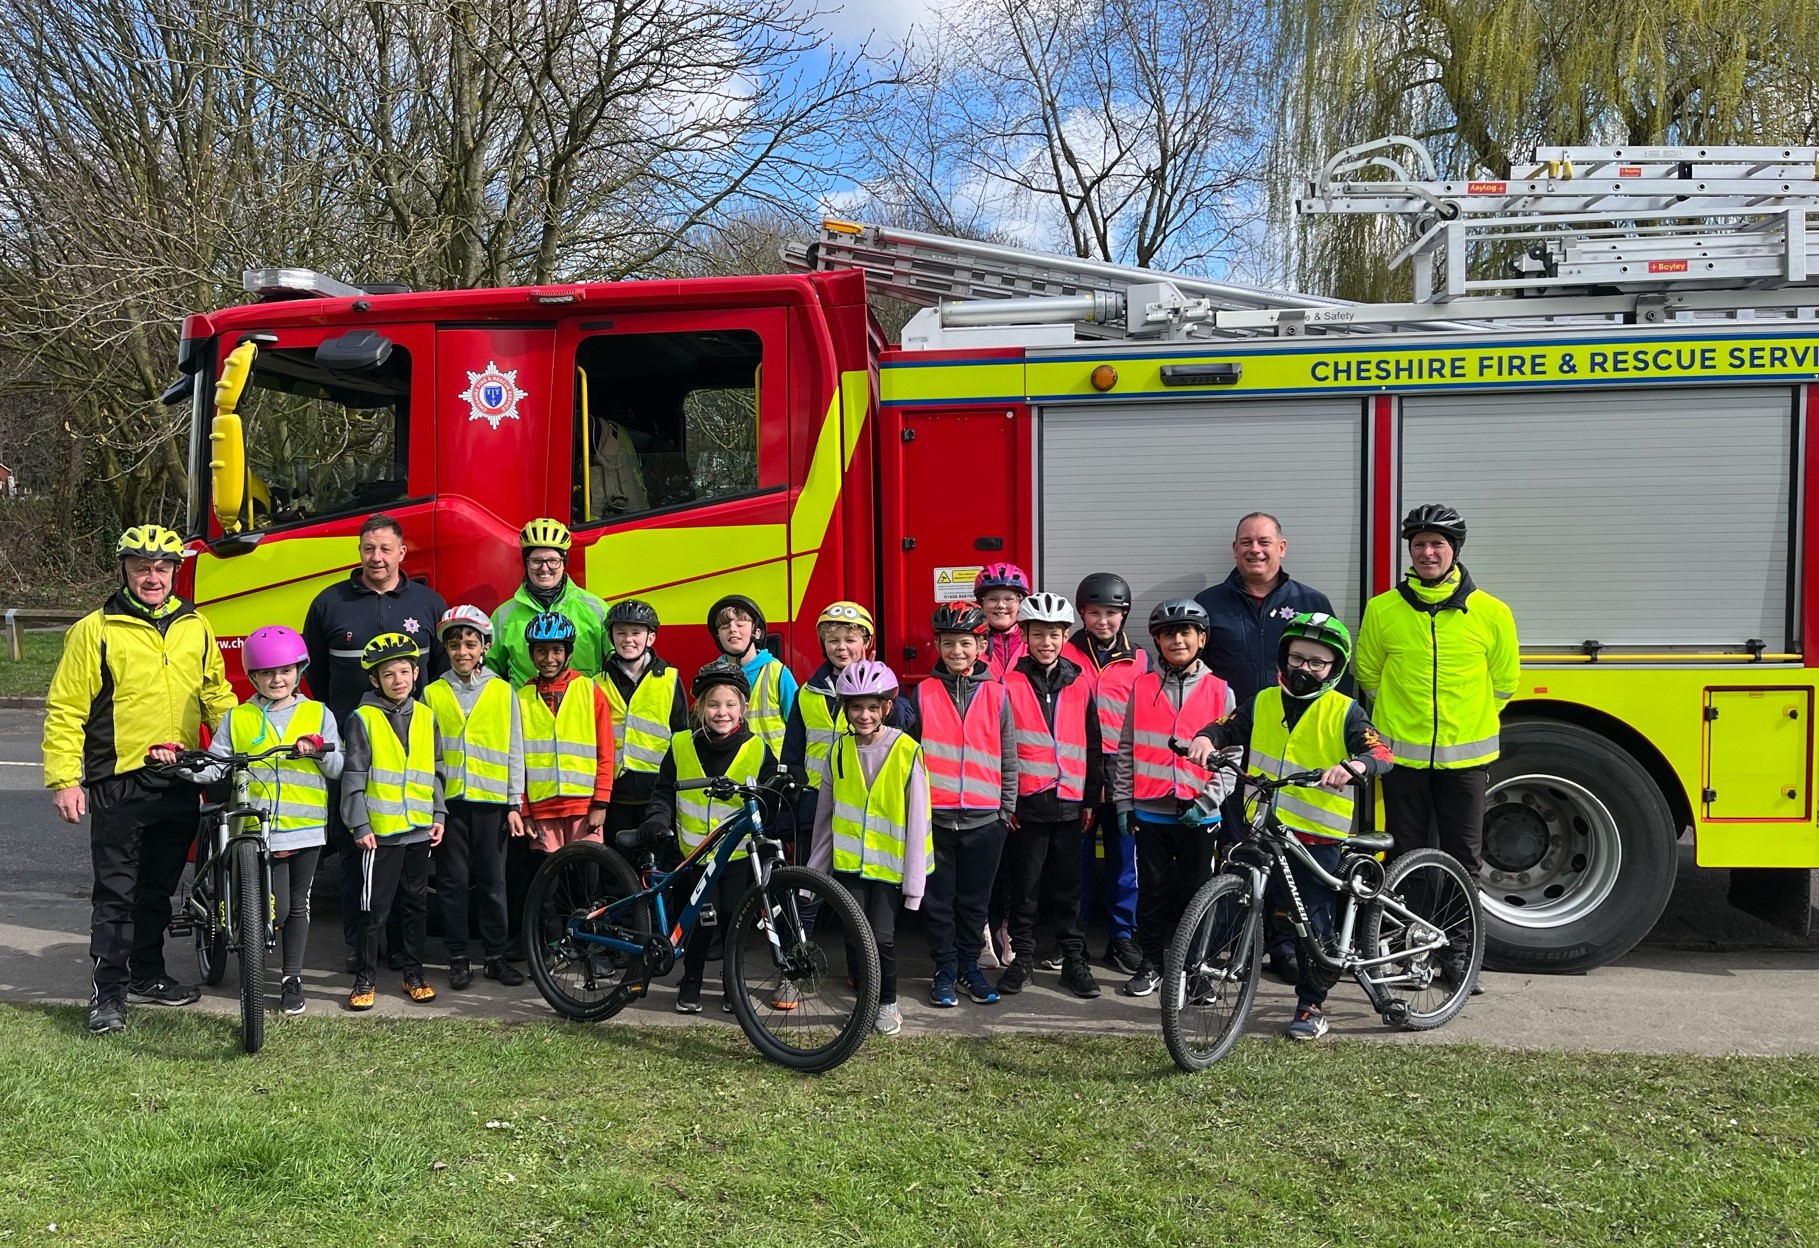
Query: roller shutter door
[[1637, 517], [1154, 492]]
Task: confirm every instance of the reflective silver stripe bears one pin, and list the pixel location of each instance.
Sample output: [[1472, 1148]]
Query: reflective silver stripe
[[1268, 764], [1035, 740], [846, 843], [1066, 750], [498, 758], [381, 806], [1464, 752], [642, 754], [1300, 807], [1156, 740], [641, 724], [846, 810], [1502, 697], [937, 749], [346, 654]]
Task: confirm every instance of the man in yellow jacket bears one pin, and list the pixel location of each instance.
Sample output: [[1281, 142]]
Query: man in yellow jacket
[[144, 670], [1440, 656]]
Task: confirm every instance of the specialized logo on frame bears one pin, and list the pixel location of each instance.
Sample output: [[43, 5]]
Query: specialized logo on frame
[[492, 394]]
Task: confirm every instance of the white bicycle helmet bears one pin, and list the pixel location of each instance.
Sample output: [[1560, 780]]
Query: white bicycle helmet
[[1045, 608]]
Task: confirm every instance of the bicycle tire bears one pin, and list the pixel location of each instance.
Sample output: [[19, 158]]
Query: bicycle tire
[[211, 928], [804, 1015], [252, 907], [578, 980], [1436, 887], [1220, 937]]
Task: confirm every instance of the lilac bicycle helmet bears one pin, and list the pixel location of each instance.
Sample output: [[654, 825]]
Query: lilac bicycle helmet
[[273, 646], [1000, 576], [867, 678]]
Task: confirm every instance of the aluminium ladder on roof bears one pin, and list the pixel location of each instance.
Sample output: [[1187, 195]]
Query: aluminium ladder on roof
[[1729, 221]]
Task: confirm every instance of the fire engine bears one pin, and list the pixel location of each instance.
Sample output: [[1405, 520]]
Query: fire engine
[[1610, 367]]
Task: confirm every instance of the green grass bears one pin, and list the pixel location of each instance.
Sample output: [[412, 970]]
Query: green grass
[[364, 1131], [31, 676]]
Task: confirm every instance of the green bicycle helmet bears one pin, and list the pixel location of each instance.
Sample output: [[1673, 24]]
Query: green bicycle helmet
[[1329, 631], [388, 646], [149, 541]]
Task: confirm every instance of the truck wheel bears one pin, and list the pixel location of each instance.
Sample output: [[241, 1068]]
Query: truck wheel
[[1579, 855]]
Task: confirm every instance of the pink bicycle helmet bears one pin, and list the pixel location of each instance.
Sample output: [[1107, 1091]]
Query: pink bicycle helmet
[[867, 678], [273, 646], [1000, 576]]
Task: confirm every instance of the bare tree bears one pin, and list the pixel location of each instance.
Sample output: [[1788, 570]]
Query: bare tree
[[1122, 130]]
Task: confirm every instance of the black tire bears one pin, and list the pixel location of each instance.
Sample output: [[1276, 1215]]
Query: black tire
[[803, 1014], [1439, 891], [211, 924], [252, 910], [1605, 836], [1219, 949], [578, 979]]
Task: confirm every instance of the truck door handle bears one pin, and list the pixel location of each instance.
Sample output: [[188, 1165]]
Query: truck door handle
[[988, 543]]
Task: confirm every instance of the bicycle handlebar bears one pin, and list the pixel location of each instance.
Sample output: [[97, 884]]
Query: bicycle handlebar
[[723, 787], [1266, 784], [202, 760]]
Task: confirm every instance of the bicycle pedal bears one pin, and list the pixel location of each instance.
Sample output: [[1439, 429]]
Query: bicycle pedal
[[708, 917], [183, 926]]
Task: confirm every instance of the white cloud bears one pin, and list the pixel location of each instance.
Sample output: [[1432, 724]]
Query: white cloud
[[850, 21]]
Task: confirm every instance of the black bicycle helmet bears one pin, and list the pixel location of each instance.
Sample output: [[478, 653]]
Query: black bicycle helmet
[[959, 617], [632, 611], [746, 605], [1104, 589], [1179, 611], [722, 671], [1436, 518]]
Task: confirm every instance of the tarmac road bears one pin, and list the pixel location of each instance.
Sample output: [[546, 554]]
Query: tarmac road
[[1709, 979]]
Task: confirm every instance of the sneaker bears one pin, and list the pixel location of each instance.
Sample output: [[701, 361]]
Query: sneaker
[[941, 993], [417, 990], [1122, 954], [1143, 983], [1309, 1024], [890, 1020], [1078, 979], [163, 991], [290, 995], [460, 973], [787, 996], [1051, 963], [988, 956], [977, 986], [106, 1016], [1011, 982], [394, 960], [600, 969], [1001, 944], [361, 998], [1199, 989], [688, 997], [503, 971]]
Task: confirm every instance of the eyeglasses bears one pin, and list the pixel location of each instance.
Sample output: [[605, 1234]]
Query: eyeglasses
[[1308, 665], [552, 562]]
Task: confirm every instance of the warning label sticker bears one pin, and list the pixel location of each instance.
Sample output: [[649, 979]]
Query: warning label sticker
[[955, 584]]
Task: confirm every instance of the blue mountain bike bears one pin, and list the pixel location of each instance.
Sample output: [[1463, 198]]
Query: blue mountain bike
[[801, 966]]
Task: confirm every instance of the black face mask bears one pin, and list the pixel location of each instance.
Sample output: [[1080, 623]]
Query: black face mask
[[1301, 683]]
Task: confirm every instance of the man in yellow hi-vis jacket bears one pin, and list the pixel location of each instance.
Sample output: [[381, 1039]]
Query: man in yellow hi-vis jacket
[[142, 671], [1440, 656]]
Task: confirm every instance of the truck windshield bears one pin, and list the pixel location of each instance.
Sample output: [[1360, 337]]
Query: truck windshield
[[321, 443]]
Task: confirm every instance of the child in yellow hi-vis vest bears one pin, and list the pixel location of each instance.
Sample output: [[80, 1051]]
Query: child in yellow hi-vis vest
[[872, 818], [568, 741], [724, 745], [391, 801]]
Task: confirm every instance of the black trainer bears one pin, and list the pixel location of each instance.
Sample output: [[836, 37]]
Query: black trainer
[[460, 973], [1143, 983], [1122, 954], [163, 991], [1077, 978], [688, 996], [1015, 976], [290, 996], [106, 1016], [504, 972]]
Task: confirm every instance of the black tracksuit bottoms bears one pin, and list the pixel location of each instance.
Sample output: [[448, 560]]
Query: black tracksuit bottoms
[[879, 899], [959, 892], [392, 877], [1443, 806], [1044, 864], [1173, 861], [471, 860], [139, 838]]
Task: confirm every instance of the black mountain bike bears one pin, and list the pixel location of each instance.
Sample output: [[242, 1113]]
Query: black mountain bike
[[1412, 935], [229, 908], [801, 966]]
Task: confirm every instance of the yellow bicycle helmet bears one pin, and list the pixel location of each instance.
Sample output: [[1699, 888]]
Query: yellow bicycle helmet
[[149, 541], [388, 646], [844, 612], [545, 533]]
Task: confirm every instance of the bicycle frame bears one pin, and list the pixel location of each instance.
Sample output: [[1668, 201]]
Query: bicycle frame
[[255, 823]]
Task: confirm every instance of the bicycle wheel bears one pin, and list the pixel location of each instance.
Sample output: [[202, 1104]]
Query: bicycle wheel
[[578, 978], [1210, 973], [809, 999], [1428, 987], [209, 888], [252, 907]]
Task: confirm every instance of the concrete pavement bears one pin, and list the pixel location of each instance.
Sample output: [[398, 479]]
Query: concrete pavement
[[1710, 979]]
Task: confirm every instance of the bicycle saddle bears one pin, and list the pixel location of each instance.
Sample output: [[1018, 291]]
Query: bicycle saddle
[[1370, 843]]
